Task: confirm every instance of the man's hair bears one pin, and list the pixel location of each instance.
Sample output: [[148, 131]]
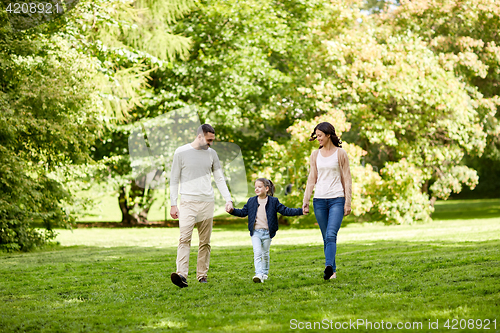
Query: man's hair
[[205, 128]]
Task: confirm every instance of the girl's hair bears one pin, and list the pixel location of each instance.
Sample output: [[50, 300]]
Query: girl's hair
[[327, 128], [267, 183]]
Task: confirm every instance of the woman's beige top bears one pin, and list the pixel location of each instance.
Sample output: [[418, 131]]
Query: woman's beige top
[[345, 176], [329, 184]]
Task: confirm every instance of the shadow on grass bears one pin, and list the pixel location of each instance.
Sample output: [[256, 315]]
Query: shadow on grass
[[466, 209], [128, 288]]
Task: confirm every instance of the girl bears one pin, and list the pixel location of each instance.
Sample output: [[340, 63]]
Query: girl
[[329, 172], [263, 223]]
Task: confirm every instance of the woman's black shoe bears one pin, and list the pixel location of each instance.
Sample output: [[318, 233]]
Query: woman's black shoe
[[328, 272]]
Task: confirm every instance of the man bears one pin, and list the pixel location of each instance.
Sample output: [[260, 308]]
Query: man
[[192, 168]]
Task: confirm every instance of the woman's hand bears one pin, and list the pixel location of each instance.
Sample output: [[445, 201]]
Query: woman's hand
[[305, 209], [347, 210], [229, 207]]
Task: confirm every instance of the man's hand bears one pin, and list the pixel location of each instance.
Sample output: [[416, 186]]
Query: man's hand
[[347, 210], [174, 212], [229, 207], [305, 209]]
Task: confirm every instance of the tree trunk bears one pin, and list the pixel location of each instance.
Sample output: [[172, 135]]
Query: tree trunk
[[127, 219], [129, 207], [425, 187]]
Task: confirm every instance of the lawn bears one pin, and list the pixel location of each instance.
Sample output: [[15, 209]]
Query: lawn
[[466, 209], [106, 209], [118, 280]]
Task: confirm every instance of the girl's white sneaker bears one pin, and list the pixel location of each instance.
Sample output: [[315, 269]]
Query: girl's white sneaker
[[257, 279], [264, 277]]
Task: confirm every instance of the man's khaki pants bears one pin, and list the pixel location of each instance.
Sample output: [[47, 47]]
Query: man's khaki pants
[[191, 213]]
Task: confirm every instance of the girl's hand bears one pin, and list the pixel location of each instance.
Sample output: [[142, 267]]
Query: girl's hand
[[305, 209], [347, 210]]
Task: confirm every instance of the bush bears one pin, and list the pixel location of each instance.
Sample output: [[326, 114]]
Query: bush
[[26, 200]]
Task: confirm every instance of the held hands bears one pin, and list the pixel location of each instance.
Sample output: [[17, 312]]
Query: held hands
[[229, 207], [174, 212], [305, 209]]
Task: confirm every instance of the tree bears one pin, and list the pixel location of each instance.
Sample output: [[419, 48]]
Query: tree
[[412, 118], [129, 40], [241, 74], [469, 45], [49, 116], [61, 80], [379, 6]]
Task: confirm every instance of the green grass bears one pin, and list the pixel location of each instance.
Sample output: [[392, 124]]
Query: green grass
[[118, 280], [106, 209], [466, 209]]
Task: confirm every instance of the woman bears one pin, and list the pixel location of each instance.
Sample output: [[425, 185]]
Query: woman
[[329, 172]]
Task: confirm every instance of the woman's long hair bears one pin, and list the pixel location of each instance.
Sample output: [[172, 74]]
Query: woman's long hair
[[267, 183], [327, 128]]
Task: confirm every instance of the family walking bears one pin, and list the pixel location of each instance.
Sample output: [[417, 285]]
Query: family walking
[[192, 169]]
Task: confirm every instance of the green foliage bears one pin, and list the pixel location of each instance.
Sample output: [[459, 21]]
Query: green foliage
[[399, 108], [378, 6], [399, 196], [111, 151], [468, 45], [129, 40], [243, 70], [25, 200], [488, 171], [289, 164], [400, 100], [126, 40], [123, 41], [48, 117], [150, 30], [241, 74], [413, 89]]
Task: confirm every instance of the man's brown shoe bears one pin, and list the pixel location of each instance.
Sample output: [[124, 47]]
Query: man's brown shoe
[[203, 280]]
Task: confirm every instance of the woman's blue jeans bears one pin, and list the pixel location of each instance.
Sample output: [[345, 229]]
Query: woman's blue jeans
[[329, 214]]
